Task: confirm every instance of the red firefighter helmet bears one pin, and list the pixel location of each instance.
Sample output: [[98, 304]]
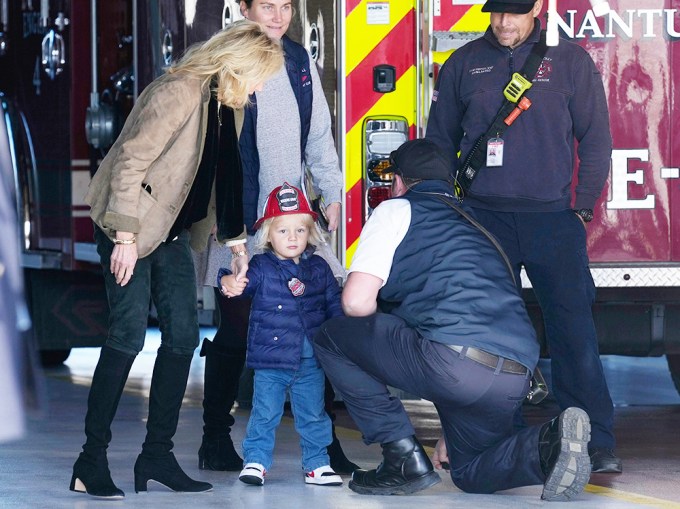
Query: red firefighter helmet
[[284, 200]]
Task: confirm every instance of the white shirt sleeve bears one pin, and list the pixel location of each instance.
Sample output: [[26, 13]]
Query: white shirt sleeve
[[380, 237]]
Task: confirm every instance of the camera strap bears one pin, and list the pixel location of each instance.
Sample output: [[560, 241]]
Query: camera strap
[[515, 102]]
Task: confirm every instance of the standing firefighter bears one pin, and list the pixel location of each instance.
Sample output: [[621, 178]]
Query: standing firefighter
[[517, 176]]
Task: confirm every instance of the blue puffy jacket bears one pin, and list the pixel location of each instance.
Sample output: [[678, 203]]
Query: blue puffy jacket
[[279, 321]]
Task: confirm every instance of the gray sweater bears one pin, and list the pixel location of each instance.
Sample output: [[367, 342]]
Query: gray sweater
[[278, 146], [278, 140]]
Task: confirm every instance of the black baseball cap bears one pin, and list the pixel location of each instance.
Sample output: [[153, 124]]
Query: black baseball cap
[[511, 6], [421, 159]]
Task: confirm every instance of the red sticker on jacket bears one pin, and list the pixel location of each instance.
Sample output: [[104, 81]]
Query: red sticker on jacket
[[296, 286]]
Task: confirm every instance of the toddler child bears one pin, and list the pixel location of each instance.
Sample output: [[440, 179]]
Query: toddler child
[[293, 293]]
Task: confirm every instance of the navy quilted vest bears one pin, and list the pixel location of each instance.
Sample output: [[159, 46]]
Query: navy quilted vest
[[297, 65], [449, 282]]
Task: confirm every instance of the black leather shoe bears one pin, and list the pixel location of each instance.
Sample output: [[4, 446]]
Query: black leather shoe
[[604, 461], [563, 451], [405, 469], [219, 454], [94, 478], [166, 471]]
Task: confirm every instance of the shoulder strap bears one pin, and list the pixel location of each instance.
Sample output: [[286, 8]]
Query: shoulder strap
[[475, 159]]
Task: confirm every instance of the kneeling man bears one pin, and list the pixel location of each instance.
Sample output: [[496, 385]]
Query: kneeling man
[[455, 333]]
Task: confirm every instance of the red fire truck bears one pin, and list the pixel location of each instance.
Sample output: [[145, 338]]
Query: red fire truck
[[70, 70]]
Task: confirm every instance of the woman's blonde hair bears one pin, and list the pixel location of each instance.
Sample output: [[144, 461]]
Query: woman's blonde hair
[[316, 236], [240, 57]]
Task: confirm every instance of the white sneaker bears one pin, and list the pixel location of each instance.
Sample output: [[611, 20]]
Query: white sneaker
[[323, 476], [253, 473]]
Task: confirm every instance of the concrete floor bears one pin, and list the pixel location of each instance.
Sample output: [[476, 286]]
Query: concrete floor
[[35, 471]]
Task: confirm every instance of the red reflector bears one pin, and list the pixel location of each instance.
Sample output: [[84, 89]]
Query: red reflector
[[377, 195], [435, 71]]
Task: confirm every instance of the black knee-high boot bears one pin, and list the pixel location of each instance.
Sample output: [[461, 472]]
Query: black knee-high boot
[[222, 372], [91, 473], [157, 462]]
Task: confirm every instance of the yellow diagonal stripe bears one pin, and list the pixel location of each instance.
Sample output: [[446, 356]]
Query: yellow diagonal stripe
[[362, 38], [632, 498], [474, 20], [349, 253]]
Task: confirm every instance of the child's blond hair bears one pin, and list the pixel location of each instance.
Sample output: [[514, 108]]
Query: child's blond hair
[[316, 236]]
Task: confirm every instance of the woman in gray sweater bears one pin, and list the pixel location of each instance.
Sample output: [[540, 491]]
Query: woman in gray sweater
[[286, 131]]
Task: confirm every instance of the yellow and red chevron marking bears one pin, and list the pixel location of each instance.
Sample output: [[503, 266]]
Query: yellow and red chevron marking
[[463, 18], [393, 44], [368, 46]]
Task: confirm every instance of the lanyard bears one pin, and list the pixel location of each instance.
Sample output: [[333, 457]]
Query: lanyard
[[515, 102]]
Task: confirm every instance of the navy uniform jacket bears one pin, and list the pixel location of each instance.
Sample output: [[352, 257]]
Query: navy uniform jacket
[[568, 103]]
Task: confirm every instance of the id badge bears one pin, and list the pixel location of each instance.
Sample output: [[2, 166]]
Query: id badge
[[494, 152]]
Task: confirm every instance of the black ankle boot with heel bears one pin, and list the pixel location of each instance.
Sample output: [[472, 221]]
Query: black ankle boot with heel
[[166, 471], [219, 454], [91, 473], [94, 478], [339, 462]]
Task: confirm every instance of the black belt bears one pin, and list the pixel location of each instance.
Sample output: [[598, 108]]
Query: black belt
[[490, 360]]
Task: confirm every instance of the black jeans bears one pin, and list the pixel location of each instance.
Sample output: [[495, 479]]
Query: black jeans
[[167, 276], [476, 404]]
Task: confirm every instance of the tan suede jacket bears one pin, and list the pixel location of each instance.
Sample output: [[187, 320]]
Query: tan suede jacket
[[146, 176]]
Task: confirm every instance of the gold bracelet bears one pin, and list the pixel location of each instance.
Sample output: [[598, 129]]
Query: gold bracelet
[[127, 242], [239, 253]]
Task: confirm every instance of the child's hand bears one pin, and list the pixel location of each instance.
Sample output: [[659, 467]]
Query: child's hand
[[231, 287]]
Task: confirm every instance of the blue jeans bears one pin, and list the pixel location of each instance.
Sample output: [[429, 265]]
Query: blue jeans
[[167, 276], [306, 386]]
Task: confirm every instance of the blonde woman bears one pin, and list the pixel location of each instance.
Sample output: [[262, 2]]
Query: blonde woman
[[171, 178], [289, 127]]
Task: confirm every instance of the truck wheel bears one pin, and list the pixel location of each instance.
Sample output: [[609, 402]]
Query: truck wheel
[[51, 358], [674, 367]]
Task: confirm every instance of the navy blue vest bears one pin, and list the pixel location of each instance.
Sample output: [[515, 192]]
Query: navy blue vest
[[297, 66], [450, 283]]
